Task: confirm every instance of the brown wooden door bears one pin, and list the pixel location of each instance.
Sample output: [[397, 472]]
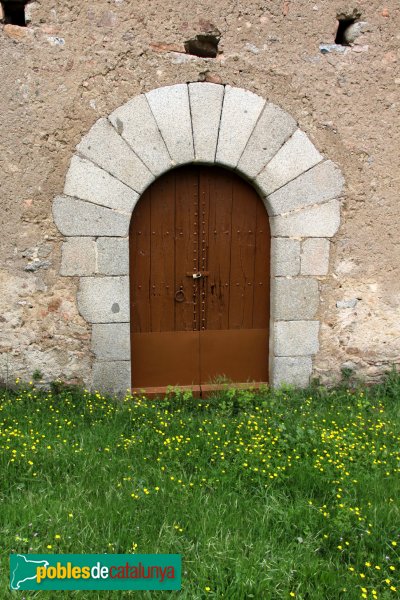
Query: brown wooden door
[[199, 280]]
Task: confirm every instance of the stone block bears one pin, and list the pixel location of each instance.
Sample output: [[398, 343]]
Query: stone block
[[273, 128], [321, 183], [134, 121], [285, 257], [205, 106], [315, 256], [171, 110], [78, 257], [113, 256], [240, 112], [87, 181], [79, 218], [296, 338], [108, 150], [112, 377], [317, 221], [295, 157], [292, 370], [294, 299], [104, 299], [351, 303], [111, 341]]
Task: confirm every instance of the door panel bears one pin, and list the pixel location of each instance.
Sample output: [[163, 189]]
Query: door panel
[[242, 257], [205, 221], [234, 354], [140, 266], [261, 288], [186, 249], [165, 358], [217, 188], [162, 254]]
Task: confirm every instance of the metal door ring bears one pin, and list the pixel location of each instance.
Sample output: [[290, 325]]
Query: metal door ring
[[179, 296]]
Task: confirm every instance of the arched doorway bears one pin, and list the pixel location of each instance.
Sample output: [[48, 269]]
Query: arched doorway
[[198, 123], [199, 281]]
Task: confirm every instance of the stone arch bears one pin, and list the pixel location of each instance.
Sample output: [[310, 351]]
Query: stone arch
[[198, 123]]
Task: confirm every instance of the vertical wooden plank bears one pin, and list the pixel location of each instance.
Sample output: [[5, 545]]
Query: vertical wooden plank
[[262, 269], [244, 209], [216, 185], [162, 254], [187, 249], [139, 265], [204, 208]]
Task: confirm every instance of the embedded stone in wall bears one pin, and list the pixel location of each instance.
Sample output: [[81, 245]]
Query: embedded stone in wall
[[292, 370], [240, 112], [294, 299], [111, 341], [75, 217], [134, 122], [113, 256], [285, 256], [315, 256], [112, 376], [104, 299], [296, 338], [316, 221], [78, 257]]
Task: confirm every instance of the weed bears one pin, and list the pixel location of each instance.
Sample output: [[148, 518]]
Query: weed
[[269, 494]]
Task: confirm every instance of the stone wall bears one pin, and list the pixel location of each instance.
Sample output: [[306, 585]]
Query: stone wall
[[79, 61]]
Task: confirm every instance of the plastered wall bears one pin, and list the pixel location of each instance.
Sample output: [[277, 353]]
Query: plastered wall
[[78, 61]]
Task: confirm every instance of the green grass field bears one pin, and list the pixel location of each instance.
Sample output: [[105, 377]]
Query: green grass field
[[273, 495]]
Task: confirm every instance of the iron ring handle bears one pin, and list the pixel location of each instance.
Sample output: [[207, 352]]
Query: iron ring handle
[[179, 296]]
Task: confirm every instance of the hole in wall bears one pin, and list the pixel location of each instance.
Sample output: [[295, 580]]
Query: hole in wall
[[343, 31], [349, 27], [204, 45], [14, 12]]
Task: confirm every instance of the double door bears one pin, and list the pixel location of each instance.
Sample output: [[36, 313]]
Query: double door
[[199, 281]]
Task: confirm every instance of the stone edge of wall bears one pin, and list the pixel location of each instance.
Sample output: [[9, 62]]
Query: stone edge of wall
[[209, 124]]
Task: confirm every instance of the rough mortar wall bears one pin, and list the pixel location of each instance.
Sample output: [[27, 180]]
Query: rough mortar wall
[[79, 60]]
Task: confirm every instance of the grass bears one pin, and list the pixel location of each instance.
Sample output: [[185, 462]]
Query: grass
[[270, 495]]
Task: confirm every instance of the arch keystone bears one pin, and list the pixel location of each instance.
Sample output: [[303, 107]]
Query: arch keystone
[[205, 105]]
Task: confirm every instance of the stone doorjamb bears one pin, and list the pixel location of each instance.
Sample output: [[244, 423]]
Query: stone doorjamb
[[210, 124]]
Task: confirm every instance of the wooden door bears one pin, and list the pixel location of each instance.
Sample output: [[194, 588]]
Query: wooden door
[[199, 281]]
